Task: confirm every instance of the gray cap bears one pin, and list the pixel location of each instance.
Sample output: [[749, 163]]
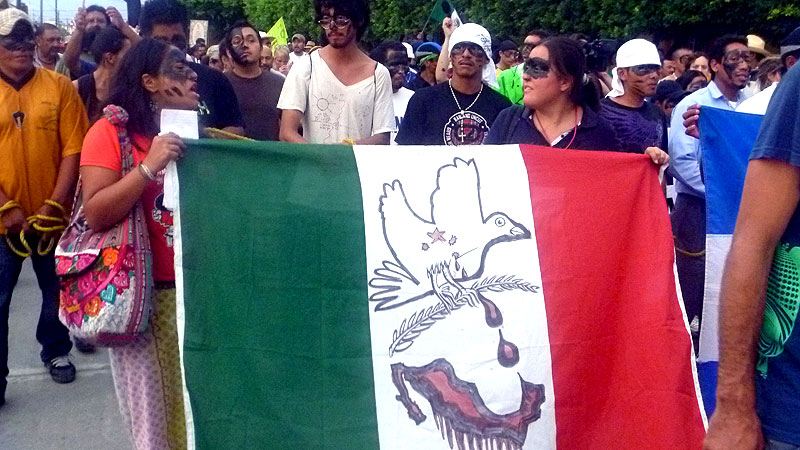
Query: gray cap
[[791, 43], [9, 17]]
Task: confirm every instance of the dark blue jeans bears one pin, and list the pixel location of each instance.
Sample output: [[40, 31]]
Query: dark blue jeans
[[689, 228], [53, 336]]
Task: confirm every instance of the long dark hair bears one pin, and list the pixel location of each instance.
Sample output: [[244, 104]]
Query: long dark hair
[[108, 40], [127, 92], [568, 60]]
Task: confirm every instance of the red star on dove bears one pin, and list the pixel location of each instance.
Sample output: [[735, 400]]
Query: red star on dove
[[436, 235]]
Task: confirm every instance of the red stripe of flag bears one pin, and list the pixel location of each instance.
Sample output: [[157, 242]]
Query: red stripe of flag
[[620, 350]]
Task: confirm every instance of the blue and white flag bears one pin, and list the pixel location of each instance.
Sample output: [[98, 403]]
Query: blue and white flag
[[727, 139]]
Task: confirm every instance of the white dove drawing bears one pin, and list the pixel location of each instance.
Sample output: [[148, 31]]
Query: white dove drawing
[[457, 234]]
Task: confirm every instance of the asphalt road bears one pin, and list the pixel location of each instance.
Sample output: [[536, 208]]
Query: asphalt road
[[42, 415]]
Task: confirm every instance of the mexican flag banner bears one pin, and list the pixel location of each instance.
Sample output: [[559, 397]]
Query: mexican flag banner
[[407, 298]]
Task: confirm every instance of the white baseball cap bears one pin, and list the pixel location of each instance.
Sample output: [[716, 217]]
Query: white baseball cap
[[9, 18]]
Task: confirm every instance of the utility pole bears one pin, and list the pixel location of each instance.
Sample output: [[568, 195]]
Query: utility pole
[[56, 13], [41, 11]]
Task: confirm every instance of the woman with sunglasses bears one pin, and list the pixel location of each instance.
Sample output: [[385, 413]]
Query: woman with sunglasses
[[557, 103]]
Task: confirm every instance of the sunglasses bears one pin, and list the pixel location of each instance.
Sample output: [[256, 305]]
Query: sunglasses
[[536, 68], [645, 69], [474, 49], [737, 56], [338, 22]]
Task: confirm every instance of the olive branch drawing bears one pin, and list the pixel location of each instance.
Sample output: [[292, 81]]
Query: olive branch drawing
[[412, 327]]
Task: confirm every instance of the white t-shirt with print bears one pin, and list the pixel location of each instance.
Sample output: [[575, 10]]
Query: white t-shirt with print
[[400, 100], [332, 111]]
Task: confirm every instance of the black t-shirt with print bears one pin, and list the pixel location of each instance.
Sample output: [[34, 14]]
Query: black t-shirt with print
[[433, 118], [636, 128], [218, 107]]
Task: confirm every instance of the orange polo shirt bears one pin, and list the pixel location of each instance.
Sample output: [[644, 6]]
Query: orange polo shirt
[[42, 120]]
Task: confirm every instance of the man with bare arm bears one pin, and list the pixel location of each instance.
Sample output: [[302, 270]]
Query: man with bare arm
[[338, 94]]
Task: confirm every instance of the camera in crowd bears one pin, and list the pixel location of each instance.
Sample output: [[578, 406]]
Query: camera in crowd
[[599, 53]]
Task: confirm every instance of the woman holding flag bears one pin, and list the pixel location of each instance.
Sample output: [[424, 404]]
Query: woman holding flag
[[152, 76], [559, 104]]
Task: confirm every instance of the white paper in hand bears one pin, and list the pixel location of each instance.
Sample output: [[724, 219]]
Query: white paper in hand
[[184, 124], [181, 122]]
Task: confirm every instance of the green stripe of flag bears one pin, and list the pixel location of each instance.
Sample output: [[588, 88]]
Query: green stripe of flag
[[440, 10], [302, 378]]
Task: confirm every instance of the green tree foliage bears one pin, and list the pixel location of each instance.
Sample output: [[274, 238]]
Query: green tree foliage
[[698, 20], [298, 15]]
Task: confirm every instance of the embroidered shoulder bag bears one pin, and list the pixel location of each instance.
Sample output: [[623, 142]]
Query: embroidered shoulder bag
[[106, 276]]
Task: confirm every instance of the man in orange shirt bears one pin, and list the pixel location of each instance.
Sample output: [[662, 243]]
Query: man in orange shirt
[[42, 123]]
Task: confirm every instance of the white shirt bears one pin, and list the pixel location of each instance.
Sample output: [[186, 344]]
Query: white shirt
[[400, 101], [332, 111], [293, 57], [758, 103]]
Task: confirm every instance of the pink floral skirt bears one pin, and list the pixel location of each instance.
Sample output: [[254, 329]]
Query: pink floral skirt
[[147, 378]]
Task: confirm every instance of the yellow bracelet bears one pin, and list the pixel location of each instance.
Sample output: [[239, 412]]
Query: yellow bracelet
[[20, 253], [11, 204], [51, 242], [348, 141], [57, 205]]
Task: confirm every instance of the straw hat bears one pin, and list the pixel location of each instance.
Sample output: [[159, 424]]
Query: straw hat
[[757, 45]]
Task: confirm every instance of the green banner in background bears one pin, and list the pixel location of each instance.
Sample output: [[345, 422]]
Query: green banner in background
[[278, 31]]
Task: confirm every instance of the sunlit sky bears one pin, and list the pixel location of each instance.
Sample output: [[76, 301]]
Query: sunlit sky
[[67, 8]]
